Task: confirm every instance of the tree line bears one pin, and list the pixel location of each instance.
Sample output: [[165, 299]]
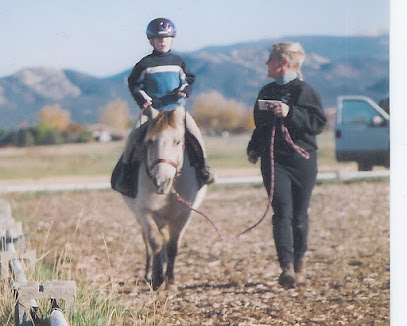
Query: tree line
[[54, 127], [213, 113]]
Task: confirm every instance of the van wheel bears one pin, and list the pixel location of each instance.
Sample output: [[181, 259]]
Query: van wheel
[[365, 166]]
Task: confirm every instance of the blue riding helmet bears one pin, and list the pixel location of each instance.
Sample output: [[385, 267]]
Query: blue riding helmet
[[160, 27]]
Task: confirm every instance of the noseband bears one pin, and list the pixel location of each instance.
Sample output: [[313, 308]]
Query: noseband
[[176, 165]]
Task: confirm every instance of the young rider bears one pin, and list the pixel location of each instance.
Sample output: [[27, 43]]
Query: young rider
[[163, 81]]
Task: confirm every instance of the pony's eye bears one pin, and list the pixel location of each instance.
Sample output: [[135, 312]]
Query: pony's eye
[[177, 142]]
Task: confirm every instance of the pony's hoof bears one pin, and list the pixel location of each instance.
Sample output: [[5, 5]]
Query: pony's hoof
[[157, 283]]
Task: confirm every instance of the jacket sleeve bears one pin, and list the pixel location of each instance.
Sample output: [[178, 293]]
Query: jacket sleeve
[[187, 79], [135, 84], [307, 115], [257, 144]]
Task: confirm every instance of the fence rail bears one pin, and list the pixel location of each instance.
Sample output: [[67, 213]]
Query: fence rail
[[29, 292]]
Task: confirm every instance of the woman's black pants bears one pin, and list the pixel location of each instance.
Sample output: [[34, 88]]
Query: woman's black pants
[[294, 180]]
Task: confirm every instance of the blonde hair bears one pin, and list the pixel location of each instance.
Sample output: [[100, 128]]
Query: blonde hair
[[293, 52]]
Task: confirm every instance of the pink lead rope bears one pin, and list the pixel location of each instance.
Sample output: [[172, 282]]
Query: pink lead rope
[[299, 150], [288, 139]]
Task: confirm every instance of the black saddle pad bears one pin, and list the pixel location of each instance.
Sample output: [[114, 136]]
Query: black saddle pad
[[124, 180]]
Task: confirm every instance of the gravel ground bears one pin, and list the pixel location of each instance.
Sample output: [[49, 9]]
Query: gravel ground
[[94, 236]]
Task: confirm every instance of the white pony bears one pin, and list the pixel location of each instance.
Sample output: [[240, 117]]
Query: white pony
[[164, 170]]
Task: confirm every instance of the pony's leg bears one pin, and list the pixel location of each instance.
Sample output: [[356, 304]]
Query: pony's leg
[[158, 241], [157, 276], [149, 256], [172, 251], [160, 259], [154, 246]]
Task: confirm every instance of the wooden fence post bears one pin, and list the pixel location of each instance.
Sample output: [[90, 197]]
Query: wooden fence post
[[28, 292]]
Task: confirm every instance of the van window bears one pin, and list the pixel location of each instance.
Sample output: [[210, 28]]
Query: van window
[[357, 112]]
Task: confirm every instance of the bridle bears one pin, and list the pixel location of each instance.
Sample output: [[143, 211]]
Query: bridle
[[176, 165]]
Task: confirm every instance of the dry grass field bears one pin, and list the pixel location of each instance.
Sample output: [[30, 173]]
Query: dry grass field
[[98, 159], [92, 237]]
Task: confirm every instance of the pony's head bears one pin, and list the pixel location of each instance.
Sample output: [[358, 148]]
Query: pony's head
[[164, 144]]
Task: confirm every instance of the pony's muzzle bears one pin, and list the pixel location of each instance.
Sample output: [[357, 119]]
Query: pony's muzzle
[[164, 178], [162, 186]]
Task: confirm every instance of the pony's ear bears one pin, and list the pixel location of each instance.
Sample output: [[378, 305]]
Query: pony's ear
[[150, 112]]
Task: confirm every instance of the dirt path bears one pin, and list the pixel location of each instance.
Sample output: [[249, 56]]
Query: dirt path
[[227, 283]]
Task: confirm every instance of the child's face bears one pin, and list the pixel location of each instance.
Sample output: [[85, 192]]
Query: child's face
[[162, 44]]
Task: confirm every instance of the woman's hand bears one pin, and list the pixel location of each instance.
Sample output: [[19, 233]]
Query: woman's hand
[[252, 157], [182, 94], [280, 109]]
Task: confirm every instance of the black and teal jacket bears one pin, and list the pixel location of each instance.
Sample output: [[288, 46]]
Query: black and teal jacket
[[158, 77]]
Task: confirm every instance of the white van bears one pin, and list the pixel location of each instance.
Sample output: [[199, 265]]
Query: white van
[[362, 132]]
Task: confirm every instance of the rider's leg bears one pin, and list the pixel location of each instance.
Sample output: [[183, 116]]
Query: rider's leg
[[126, 182], [134, 141], [207, 176]]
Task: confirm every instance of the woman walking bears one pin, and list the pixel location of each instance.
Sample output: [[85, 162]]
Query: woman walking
[[288, 115]]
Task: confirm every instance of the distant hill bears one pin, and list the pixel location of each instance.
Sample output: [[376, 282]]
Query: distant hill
[[334, 66]]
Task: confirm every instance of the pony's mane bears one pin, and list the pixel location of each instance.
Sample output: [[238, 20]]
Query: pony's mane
[[163, 120]]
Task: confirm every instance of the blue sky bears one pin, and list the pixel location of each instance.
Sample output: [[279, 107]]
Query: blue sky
[[106, 37]]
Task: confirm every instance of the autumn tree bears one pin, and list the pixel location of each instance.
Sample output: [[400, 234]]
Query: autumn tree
[[213, 111], [54, 116], [115, 114]]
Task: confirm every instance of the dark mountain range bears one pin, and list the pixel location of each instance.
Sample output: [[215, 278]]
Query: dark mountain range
[[334, 66]]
